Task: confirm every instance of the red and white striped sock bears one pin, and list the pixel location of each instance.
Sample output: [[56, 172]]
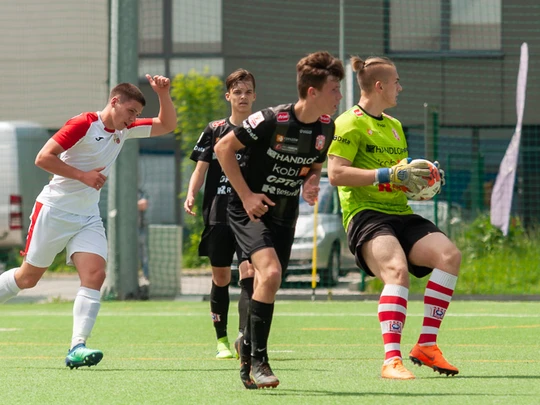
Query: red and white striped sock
[[392, 313], [439, 291]]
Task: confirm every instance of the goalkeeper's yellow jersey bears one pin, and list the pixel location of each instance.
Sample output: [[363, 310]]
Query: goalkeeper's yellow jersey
[[370, 143]]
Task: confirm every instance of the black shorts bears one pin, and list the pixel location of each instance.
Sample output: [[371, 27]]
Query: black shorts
[[408, 229], [219, 245], [253, 236]]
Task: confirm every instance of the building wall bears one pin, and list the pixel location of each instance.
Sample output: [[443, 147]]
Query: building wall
[[268, 38], [54, 59], [468, 90]]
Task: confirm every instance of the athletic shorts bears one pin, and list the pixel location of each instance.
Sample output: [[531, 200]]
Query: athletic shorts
[[408, 229], [51, 230], [253, 236], [219, 245]]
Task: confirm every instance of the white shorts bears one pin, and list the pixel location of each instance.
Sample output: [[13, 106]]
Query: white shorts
[[51, 230]]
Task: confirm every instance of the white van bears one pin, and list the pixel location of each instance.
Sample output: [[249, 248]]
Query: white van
[[20, 180]]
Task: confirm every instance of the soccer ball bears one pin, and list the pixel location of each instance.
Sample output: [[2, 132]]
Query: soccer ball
[[432, 188]]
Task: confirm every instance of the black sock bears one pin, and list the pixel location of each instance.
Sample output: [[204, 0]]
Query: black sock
[[245, 349], [219, 306], [261, 319], [246, 292]]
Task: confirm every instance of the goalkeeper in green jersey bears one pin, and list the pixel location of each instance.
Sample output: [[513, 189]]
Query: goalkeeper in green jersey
[[368, 161]]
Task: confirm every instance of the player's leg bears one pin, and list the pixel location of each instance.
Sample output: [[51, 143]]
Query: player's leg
[[87, 250], [372, 239], [243, 344], [219, 308], [48, 234], [220, 250], [435, 251], [268, 274], [385, 258], [19, 278], [143, 253], [274, 261], [257, 241], [247, 277]]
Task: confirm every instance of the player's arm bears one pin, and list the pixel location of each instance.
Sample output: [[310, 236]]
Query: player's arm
[[195, 183], [48, 160], [407, 173], [225, 150], [341, 173], [256, 205], [165, 122]]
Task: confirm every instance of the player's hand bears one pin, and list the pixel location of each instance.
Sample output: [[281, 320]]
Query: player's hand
[[310, 190], [94, 178], [188, 206], [256, 205], [410, 174], [160, 84], [441, 173]]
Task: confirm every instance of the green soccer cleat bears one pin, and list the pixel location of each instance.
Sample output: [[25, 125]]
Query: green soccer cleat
[[80, 356], [223, 349]]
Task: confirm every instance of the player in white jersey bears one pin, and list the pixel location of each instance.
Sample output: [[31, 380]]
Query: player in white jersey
[[66, 213]]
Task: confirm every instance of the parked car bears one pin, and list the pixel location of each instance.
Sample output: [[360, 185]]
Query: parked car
[[21, 181], [333, 256]]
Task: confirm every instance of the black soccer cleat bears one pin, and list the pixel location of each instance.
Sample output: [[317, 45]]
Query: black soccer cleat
[[262, 375], [238, 345], [245, 368]]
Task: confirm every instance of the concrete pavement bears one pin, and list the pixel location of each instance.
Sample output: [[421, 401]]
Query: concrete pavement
[[63, 287]]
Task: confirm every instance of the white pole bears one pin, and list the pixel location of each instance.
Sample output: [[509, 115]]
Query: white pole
[[342, 104], [350, 82]]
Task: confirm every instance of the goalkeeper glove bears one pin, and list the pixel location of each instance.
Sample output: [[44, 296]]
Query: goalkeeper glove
[[406, 173], [441, 173]]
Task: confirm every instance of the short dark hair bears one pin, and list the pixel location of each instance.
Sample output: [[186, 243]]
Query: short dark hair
[[239, 75], [128, 91], [313, 69]]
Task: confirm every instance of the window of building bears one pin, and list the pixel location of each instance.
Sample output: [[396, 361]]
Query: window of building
[[196, 26], [211, 66], [176, 36], [444, 25], [151, 27]]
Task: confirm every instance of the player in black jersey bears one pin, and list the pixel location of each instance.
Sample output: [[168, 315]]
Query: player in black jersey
[[284, 149], [217, 240]]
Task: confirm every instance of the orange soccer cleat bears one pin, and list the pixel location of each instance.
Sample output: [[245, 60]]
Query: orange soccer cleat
[[396, 370], [432, 356]]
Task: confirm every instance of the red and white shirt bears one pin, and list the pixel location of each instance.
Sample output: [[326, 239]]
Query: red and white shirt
[[87, 144]]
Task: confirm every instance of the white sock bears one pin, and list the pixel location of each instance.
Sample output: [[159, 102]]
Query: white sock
[[85, 310], [8, 286]]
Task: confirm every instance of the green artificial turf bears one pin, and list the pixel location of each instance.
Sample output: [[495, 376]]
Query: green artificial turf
[[322, 352]]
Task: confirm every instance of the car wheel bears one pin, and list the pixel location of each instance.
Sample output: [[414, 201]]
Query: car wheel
[[330, 276]]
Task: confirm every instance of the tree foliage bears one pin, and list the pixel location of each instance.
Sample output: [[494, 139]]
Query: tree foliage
[[198, 98]]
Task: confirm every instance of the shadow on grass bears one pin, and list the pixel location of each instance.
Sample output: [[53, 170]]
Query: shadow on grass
[[321, 393]]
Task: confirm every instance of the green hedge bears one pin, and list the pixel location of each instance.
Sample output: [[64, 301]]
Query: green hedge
[[492, 264]]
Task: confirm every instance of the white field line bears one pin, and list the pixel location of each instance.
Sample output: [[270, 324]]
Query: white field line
[[281, 314]]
